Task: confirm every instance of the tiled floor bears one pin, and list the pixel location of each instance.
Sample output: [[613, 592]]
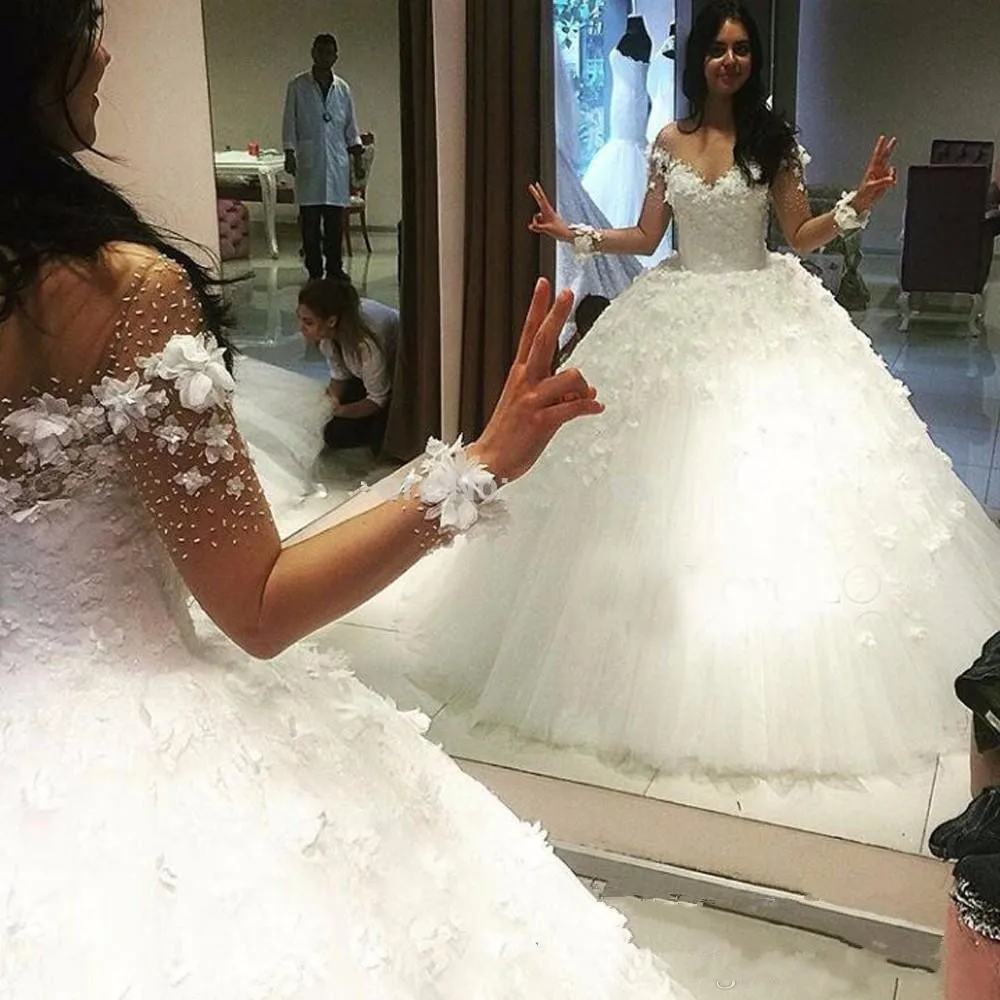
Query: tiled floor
[[715, 954], [956, 389]]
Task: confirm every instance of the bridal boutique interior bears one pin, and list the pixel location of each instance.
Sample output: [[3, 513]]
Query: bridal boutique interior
[[786, 871]]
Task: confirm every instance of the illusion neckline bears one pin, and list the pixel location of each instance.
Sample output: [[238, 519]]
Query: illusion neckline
[[695, 172]]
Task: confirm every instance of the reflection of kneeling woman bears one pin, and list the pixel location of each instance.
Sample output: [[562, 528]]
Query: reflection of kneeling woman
[[358, 338]]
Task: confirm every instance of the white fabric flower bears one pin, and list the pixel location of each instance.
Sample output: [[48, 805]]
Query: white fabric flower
[[235, 486], [215, 438], [192, 480], [130, 403], [10, 493], [170, 435], [197, 365], [90, 417], [45, 427], [453, 487]]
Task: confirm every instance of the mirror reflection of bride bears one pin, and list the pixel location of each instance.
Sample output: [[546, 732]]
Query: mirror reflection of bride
[[756, 562]]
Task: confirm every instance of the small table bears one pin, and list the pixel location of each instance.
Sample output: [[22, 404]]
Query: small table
[[267, 166]]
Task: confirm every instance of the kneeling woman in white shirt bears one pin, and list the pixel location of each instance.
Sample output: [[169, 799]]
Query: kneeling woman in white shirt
[[358, 338]]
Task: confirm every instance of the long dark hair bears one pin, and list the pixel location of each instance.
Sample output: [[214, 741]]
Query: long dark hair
[[329, 297], [764, 140], [51, 207]]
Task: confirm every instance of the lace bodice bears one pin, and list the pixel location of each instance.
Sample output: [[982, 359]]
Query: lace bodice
[[719, 226], [629, 100], [93, 470]]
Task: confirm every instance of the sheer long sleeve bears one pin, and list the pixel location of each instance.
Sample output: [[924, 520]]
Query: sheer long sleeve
[[803, 232], [144, 402], [167, 395]]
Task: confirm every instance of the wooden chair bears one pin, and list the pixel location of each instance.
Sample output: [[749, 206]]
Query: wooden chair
[[359, 192]]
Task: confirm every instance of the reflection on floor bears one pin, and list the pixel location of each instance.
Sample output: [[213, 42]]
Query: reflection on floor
[[714, 953], [956, 390]]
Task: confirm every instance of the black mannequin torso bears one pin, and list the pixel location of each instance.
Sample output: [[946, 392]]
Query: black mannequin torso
[[636, 43], [670, 47]]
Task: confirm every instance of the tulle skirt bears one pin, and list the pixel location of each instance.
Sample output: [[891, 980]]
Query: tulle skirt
[[756, 562]]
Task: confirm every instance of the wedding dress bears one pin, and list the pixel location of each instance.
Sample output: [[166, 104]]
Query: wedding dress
[[179, 820], [280, 415], [604, 275], [755, 562], [616, 177], [660, 86]]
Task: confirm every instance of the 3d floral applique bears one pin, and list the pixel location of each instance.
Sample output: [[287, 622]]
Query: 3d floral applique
[[46, 427], [130, 404], [170, 435], [216, 438], [192, 480], [197, 367]]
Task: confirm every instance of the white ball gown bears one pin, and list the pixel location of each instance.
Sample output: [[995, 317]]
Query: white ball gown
[[660, 86], [179, 820], [755, 562], [616, 178]]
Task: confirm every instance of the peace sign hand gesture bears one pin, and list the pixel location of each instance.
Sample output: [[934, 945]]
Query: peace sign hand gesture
[[879, 175], [534, 403], [547, 221]]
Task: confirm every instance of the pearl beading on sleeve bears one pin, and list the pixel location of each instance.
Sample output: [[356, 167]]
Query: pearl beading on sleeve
[[159, 412]]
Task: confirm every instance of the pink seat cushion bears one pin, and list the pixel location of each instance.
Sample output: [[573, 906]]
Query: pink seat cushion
[[234, 229]]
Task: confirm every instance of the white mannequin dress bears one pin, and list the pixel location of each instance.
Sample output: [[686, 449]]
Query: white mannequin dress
[[616, 177], [607, 276], [660, 86]]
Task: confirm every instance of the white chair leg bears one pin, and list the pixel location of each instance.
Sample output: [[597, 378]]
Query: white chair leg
[[905, 311], [977, 313]]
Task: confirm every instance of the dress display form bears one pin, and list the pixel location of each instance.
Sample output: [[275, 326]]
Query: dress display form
[[660, 85], [607, 276], [616, 178]]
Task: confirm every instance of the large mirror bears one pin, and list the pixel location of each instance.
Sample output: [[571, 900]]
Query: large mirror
[[308, 165], [790, 688]]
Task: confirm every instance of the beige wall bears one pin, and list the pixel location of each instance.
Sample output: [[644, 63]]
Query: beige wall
[[155, 116], [256, 46], [922, 70]]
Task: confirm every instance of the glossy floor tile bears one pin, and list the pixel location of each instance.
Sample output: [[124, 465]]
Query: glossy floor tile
[[715, 954], [876, 811]]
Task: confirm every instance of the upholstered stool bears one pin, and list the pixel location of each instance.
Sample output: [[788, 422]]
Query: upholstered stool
[[234, 229]]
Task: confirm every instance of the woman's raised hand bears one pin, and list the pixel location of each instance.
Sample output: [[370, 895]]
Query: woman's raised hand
[[534, 403], [547, 221], [879, 176]]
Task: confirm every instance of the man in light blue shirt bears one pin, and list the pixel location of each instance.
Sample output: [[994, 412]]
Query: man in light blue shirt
[[319, 132]]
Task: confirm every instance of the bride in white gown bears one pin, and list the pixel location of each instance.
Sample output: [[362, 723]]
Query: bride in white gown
[[178, 819], [756, 562]]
